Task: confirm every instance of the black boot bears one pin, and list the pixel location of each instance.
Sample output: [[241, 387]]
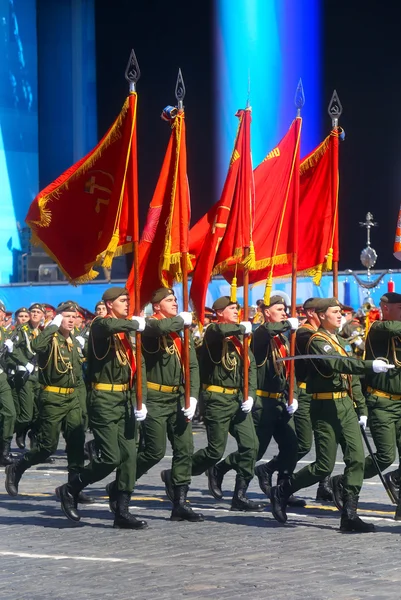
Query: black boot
[[279, 498], [349, 518], [82, 497], [337, 485], [215, 481], [292, 501], [90, 450], [324, 492], [20, 439], [111, 489], [397, 516], [14, 473], [393, 481], [6, 458], [240, 500], [68, 496], [123, 518], [168, 484], [181, 508], [265, 479]]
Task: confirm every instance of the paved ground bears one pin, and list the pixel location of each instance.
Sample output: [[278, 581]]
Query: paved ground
[[231, 555]]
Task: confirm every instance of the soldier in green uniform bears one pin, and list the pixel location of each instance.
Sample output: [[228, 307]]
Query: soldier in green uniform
[[302, 419], [21, 316], [26, 375], [383, 392], [7, 406], [271, 414], [226, 410], [334, 419], [59, 372], [167, 415], [112, 416], [353, 332], [100, 309]]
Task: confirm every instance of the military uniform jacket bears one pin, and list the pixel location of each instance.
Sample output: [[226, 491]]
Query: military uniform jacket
[[302, 338], [220, 362], [384, 341], [23, 352], [163, 363], [59, 358], [107, 360], [267, 340], [335, 375]]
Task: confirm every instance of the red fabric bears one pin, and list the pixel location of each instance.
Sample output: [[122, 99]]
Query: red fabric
[[238, 346], [174, 336], [95, 188], [282, 350], [130, 354]]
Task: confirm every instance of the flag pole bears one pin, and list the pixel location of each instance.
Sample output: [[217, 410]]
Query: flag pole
[[299, 103], [246, 295], [180, 95], [335, 110], [132, 74]]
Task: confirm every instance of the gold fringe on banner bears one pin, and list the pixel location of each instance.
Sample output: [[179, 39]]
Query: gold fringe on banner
[[268, 289], [314, 158], [250, 260]]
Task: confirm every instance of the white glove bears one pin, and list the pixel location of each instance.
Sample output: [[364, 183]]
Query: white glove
[[358, 341], [291, 408], [57, 320], [140, 415], [30, 367], [186, 317], [9, 344], [293, 321], [141, 322], [247, 405], [343, 323], [80, 340], [189, 412], [379, 366], [248, 328], [363, 421]]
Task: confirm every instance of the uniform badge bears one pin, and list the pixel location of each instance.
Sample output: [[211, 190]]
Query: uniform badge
[[328, 348]]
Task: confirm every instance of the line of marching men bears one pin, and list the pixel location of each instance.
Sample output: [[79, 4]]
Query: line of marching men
[[53, 394]]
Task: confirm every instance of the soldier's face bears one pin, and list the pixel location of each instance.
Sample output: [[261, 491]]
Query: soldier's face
[[68, 322], [2, 317], [331, 319], [275, 313], [228, 315], [168, 306], [36, 316], [119, 307], [23, 317], [101, 310], [78, 321], [391, 312]]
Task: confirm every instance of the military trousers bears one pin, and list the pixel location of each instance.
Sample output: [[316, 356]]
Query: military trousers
[[303, 424], [81, 391], [112, 421], [334, 423], [166, 419], [223, 415], [385, 427], [58, 412], [7, 410], [28, 393]]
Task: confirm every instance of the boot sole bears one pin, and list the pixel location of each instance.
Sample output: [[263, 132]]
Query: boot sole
[[131, 528], [187, 520]]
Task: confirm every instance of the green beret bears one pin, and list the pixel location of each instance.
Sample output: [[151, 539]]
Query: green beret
[[276, 299], [311, 303], [160, 294], [37, 305], [222, 303], [114, 292], [66, 307], [324, 303], [22, 309], [391, 298], [2, 306]]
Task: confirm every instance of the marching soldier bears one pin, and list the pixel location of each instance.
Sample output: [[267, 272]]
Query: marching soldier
[[302, 419], [167, 415], [7, 406], [59, 373], [334, 418], [226, 411], [21, 316], [100, 309], [271, 413], [111, 375], [26, 376]]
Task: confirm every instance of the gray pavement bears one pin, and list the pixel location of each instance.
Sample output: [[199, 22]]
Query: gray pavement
[[230, 555]]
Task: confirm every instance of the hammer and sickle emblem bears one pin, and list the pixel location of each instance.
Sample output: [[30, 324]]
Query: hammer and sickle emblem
[[99, 189]]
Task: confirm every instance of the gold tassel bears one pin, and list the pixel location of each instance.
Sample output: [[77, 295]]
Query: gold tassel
[[233, 290], [268, 289], [329, 260], [111, 249], [250, 260]]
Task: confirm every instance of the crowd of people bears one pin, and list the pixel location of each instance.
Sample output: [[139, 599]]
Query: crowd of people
[[66, 371]]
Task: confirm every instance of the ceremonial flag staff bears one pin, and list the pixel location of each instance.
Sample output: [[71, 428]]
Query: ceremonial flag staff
[[335, 110], [180, 95], [132, 74], [299, 103]]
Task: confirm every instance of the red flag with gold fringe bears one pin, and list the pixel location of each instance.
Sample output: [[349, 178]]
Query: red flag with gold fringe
[[165, 236], [95, 188]]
